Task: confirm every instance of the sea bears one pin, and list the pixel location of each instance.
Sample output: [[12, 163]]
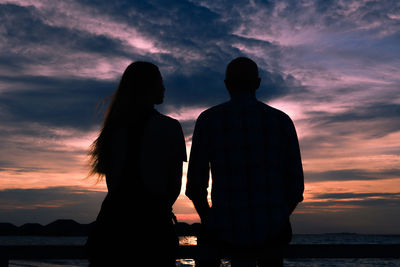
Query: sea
[[344, 238]]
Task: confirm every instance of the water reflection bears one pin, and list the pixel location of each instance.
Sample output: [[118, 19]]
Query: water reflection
[[185, 263], [191, 263], [192, 241], [188, 240]]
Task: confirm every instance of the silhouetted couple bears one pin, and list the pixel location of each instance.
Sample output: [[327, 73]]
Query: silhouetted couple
[[251, 149]]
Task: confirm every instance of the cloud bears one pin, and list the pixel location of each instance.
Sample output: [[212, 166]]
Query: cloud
[[370, 219], [365, 213], [72, 15], [53, 101], [349, 174], [290, 21], [45, 205], [370, 111], [364, 196], [71, 46], [25, 27], [33, 47], [35, 155]]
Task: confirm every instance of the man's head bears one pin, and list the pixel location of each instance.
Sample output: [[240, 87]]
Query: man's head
[[242, 76]]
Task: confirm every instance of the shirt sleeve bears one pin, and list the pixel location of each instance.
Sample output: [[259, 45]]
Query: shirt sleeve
[[175, 146], [294, 168], [198, 169], [181, 144]]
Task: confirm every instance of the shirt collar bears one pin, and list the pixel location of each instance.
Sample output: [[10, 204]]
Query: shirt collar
[[243, 97]]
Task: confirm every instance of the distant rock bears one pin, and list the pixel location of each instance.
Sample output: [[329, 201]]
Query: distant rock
[[73, 228], [8, 229], [65, 228], [31, 229]]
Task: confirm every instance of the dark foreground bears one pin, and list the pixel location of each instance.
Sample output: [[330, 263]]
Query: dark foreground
[[8, 253]]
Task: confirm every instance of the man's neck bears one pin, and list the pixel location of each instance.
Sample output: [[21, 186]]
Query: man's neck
[[242, 95]]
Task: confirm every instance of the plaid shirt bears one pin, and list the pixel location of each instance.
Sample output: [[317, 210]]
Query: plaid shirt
[[254, 156]]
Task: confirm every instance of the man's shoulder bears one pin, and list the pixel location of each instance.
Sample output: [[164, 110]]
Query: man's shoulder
[[273, 111], [218, 110], [213, 111]]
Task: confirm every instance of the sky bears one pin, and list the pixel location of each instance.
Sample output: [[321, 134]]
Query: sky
[[332, 66]]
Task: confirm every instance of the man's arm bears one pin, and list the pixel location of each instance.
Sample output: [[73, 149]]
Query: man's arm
[[295, 177], [198, 170], [202, 208]]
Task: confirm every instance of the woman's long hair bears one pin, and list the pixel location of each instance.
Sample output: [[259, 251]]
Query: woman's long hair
[[139, 89]]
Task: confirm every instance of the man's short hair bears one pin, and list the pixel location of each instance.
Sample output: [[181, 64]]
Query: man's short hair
[[241, 73]]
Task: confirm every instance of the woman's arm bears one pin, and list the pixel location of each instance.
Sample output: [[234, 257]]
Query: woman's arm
[[175, 182], [178, 155], [118, 158]]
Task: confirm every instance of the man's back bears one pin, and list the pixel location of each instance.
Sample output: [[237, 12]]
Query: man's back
[[254, 156]]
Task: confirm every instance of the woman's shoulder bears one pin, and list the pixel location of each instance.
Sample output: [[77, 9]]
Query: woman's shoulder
[[167, 121]]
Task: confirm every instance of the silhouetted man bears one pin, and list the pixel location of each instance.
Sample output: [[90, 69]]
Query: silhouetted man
[[257, 176]]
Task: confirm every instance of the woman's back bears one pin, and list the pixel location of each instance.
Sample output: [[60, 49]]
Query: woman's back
[[162, 147]]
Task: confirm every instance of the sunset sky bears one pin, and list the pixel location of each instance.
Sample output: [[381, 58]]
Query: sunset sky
[[332, 66]]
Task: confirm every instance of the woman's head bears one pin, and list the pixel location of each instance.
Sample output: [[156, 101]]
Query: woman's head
[[141, 84], [141, 87]]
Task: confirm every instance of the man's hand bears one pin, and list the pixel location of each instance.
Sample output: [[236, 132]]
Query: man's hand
[[202, 208]]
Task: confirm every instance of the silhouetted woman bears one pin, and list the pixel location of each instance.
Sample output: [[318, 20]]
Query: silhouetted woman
[[140, 153]]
